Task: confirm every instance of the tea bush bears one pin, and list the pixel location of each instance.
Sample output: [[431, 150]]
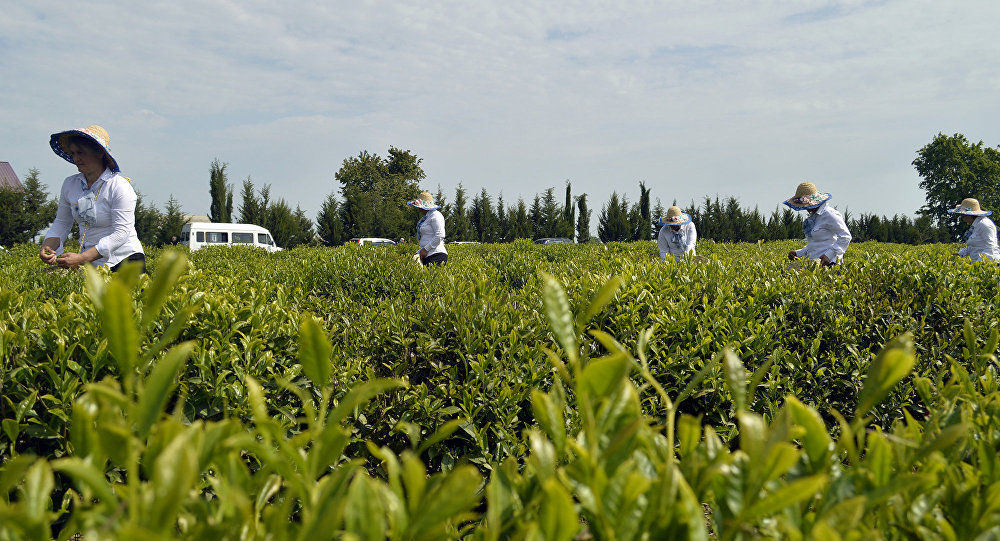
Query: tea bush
[[434, 371]]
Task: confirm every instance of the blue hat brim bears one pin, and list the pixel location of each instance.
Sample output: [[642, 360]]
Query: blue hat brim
[[981, 213], [793, 206], [55, 141], [687, 220], [421, 207]]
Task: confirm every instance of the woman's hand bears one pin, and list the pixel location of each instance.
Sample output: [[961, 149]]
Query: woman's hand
[[47, 255], [423, 253], [824, 261], [792, 255], [71, 260]]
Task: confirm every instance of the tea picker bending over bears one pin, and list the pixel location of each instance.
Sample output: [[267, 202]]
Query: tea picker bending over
[[99, 199], [981, 238], [825, 229], [677, 235], [430, 231]]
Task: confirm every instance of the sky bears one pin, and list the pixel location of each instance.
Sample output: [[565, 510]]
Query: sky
[[693, 98]]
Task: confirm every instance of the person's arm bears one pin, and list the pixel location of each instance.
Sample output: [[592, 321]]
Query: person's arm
[[690, 238], [661, 243], [841, 239], [52, 246], [122, 201], [437, 232], [72, 260]]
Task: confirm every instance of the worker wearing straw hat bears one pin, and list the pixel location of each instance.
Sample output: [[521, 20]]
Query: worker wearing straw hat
[[99, 199], [677, 235], [430, 231], [825, 229], [981, 238]]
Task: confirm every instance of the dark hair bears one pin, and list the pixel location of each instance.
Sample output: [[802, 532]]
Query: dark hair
[[90, 144]]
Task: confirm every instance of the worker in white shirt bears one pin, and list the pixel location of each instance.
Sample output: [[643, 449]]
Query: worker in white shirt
[[981, 238], [677, 235], [99, 199], [825, 230], [430, 231]]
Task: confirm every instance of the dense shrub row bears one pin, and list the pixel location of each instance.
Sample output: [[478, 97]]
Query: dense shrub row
[[466, 356]]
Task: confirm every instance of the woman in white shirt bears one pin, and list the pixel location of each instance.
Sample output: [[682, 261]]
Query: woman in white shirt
[[981, 238], [677, 235], [825, 229], [99, 199], [430, 231]]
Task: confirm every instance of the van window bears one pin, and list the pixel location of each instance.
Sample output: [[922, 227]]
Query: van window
[[243, 238], [201, 236], [264, 238], [218, 237], [185, 236]]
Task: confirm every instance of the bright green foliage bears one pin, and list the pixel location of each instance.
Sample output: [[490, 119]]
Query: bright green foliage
[[319, 394]]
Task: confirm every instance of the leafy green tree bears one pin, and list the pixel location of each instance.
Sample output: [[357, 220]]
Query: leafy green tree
[[640, 216], [387, 184], [328, 224], [357, 215], [613, 222], [582, 220], [304, 234], [283, 224], [953, 169], [458, 226], [221, 192], [172, 223], [568, 214], [484, 219], [547, 215], [147, 221], [250, 205], [519, 222], [25, 212]]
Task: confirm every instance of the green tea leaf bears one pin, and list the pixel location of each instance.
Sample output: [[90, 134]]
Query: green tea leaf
[[157, 387], [170, 266], [891, 365], [118, 326], [315, 352], [736, 377], [560, 317]]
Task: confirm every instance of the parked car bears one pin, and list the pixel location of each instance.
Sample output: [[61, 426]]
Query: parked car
[[554, 240], [200, 234], [371, 241]]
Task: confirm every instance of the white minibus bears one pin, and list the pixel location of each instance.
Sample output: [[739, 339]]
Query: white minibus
[[199, 234]]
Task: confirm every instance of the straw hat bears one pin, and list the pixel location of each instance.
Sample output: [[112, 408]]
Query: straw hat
[[807, 197], [675, 217], [424, 202], [60, 143], [970, 207]]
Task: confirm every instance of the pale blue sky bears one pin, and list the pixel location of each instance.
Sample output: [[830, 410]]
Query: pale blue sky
[[696, 98]]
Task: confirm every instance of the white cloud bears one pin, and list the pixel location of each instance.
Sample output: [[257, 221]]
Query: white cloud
[[695, 98]]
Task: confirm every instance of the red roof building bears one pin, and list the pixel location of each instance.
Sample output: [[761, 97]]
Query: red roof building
[[8, 178]]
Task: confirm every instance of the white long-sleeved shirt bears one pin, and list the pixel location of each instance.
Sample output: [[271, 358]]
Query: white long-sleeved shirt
[[113, 231], [982, 242], [665, 240], [829, 236], [430, 233]]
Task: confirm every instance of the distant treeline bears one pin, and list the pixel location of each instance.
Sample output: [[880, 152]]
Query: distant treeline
[[373, 191]]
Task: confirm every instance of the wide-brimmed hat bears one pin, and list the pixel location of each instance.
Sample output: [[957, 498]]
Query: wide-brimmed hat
[[60, 143], [970, 207], [807, 197], [675, 217], [425, 201]]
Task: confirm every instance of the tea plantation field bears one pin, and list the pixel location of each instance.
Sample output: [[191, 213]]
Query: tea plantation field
[[519, 392]]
